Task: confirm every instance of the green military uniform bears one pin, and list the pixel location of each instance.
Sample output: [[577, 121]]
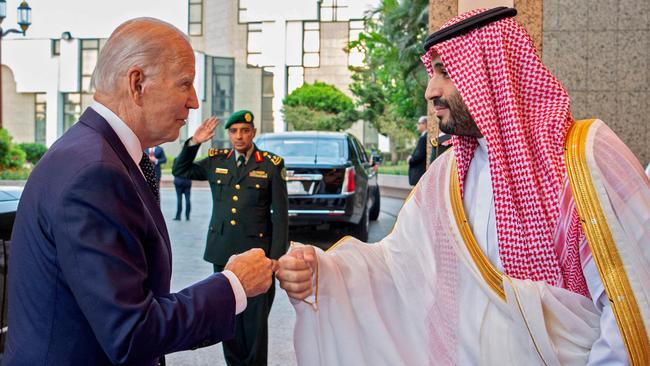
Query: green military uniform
[[249, 211]]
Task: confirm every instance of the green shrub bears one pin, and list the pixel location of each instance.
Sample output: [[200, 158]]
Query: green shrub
[[11, 156], [15, 173], [15, 158], [34, 152], [320, 107]]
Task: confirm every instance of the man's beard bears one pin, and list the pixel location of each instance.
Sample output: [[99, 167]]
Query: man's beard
[[460, 122]]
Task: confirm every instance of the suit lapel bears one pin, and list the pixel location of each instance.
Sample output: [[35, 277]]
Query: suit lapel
[[93, 120]]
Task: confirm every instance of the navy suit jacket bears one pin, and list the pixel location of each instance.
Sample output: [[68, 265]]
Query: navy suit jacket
[[418, 162], [90, 264]]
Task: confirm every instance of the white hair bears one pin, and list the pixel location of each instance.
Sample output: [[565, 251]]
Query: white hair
[[423, 119], [140, 42]]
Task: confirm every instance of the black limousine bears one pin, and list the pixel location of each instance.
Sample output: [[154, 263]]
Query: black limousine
[[330, 179]]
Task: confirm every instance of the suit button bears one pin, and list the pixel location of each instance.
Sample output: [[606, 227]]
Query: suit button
[[257, 186], [233, 222], [235, 198], [233, 210], [237, 186], [219, 181], [261, 235]]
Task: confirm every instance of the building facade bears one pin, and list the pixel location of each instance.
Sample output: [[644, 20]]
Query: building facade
[[249, 54]]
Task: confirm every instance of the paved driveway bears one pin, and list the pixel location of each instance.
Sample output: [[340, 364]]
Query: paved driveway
[[188, 238]]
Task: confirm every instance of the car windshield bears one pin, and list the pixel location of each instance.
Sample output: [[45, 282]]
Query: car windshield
[[306, 149]]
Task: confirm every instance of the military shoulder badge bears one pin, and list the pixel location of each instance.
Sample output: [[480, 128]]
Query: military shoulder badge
[[215, 152], [276, 160]]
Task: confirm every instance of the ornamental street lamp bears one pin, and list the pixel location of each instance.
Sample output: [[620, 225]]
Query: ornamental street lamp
[[24, 21]]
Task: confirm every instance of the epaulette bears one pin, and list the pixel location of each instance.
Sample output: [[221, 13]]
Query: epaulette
[[276, 160], [216, 152]]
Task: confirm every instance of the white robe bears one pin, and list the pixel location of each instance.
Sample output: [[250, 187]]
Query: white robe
[[417, 297]]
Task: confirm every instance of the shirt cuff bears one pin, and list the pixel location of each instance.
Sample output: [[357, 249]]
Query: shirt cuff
[[238, 291], [190, 142]]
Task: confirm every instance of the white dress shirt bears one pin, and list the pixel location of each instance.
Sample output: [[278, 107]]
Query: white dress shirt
[[134, 148], [478, 202]]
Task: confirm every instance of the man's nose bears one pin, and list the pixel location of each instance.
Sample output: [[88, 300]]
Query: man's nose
[[433, 90], [193, 100]]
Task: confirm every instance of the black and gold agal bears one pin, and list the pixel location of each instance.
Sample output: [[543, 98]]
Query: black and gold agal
[[469, 24], [249, 202]]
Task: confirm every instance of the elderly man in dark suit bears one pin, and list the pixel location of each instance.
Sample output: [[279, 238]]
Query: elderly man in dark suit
[[89, 280], [418, 160]]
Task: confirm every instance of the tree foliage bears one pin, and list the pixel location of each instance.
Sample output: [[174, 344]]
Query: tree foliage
[[393, 81], [11, 156], [318, 106]]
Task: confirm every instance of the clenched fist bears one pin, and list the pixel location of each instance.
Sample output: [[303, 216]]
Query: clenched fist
[[253, 270], [296, 271]]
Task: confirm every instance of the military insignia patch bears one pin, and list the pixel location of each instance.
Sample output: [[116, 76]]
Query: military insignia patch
[[212, 152], [258, 174], [248, 117], [258, 157], [283, 174], [221, 171], [276, 160]]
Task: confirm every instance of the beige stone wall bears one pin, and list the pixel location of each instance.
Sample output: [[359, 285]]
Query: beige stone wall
[[333, 60], [600, 54], [18, 109]]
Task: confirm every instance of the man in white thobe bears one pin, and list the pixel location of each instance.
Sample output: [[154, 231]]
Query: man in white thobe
[[528, 245]]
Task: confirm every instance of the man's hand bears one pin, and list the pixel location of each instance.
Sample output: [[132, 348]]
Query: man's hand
[[253, 270], [205, 131], [296, 271]]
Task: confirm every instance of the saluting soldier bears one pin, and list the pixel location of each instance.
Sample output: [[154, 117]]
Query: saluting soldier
[[249, 210]]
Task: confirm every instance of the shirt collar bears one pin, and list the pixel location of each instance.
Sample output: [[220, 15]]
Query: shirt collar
[[123, 132], [248, 153]]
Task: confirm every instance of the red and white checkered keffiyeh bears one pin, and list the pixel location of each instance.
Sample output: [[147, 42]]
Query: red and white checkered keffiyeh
[[523, 113]]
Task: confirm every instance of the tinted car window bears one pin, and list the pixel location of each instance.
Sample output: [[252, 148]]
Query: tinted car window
[[360, 151], [306, 149]]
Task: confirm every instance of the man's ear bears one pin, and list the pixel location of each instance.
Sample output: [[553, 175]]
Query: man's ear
[[136, 84]]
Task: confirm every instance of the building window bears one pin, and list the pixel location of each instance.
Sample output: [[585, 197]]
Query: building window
[[71, 110], [266, 118], [355, 55], [295, 78], [254, 44], [334, 11], [89, 55], [311, 44], [195, 17], [40, 116], [223, 90], [56, 47]]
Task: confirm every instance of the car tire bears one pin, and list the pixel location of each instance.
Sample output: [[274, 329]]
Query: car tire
[[376, 204], [360, 231]]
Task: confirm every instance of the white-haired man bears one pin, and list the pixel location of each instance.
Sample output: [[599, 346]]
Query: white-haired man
[[91, 257]]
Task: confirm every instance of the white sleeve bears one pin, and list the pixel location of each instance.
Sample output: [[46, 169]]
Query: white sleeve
[[608, 349], [240, 295]]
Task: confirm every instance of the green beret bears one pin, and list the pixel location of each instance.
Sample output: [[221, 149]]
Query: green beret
[[242, 116]]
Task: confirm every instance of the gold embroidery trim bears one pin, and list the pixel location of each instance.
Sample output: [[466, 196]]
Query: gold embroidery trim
[[603, 248], [490, 274]]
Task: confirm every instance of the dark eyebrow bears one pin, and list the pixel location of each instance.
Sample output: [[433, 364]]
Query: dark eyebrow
[[438, 66]]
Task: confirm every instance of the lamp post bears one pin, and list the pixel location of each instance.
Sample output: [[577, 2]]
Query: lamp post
[[24, 21]]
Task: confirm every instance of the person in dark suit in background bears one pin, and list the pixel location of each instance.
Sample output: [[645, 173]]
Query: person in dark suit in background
[[249, 210], [157, 157], [89, 280], [418, 160], [183, 188]]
